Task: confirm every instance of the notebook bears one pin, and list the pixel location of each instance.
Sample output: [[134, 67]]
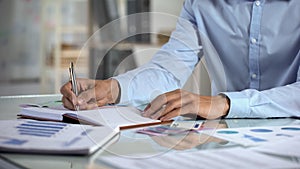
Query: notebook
[[44, 137], [113, 116]]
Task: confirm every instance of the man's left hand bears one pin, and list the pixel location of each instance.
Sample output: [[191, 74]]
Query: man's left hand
[[181, 102]]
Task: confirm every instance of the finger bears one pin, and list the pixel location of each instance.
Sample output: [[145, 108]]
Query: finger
[[155, 105], [67, 103], [186, 109], [160, 101], [66, 91], [170, 115], [102, 102], [165, 109], [65, 88], [86, 96], [88, 106], [176, 103], [158, 114], [91, 106], [147, 107]]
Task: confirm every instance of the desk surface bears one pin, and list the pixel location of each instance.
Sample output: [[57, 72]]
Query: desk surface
[[130, 144]]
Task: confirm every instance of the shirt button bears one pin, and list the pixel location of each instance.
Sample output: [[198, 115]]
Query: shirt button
[[253, 40], [253, 76], [257, 3]]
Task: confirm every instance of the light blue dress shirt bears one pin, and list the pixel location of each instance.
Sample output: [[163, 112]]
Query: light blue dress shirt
[[251, 50]]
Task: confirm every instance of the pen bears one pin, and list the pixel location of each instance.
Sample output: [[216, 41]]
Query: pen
[[73, 82]]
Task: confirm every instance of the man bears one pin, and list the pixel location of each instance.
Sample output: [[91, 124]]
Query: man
[[252, 54]]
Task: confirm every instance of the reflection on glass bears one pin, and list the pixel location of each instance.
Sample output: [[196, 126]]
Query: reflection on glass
[[191, 138]]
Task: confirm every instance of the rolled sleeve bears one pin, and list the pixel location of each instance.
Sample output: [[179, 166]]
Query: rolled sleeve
[[123, 81], [239, 105]]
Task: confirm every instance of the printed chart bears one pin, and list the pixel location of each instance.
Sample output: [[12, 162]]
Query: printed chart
[[253, 136]]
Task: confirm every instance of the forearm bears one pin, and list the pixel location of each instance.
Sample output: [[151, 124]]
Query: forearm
[[140, 86]]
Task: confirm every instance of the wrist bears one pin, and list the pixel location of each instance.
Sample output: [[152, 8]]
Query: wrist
[[115, 90], [226, 103]]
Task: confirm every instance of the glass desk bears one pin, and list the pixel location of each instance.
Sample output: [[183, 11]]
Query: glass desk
[[129, 144]]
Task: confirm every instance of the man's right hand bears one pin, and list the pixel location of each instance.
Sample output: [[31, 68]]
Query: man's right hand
[[92, 93]]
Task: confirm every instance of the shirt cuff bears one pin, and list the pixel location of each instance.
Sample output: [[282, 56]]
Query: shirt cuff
[[239, 105], [124, 82]]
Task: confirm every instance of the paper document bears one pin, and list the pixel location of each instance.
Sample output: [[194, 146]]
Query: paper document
[[30, 136], [213, 159], [253, 136], [285, 147]]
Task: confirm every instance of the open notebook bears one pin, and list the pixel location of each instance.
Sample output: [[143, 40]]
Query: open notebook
[[112, 116], [44, 137]]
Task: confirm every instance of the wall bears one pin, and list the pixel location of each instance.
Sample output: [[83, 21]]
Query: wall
[[171, 7], [19, 40]]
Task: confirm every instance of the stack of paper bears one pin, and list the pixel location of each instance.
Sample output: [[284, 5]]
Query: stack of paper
[[32, 136], [64, 138]]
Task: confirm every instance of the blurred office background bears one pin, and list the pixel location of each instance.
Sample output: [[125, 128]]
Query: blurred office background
[[39, 38]]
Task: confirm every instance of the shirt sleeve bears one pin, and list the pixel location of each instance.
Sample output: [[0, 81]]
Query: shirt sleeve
[[276, 102], [169, 68]]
